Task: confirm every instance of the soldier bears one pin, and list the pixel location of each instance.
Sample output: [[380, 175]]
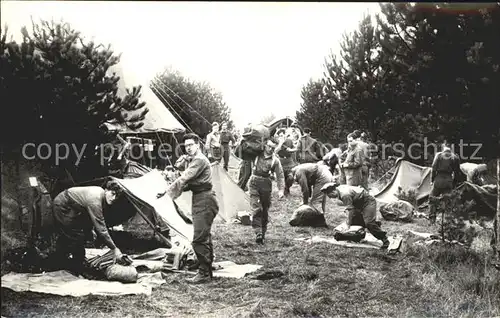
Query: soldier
[[260, 187], [365, 159], [78, 211], [361, 208], [352, 164], [312, 177], [308, 148], [197, 178], [225, 138], [445, 169], [212, 144], [286, 151], [245, 165]]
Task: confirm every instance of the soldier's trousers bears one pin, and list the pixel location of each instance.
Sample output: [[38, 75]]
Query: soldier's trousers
[[316, 194], [365, 172], [443, 183], [260, 201], [245, 174], [205, 209], [70, 237], [366, 216], [288, 164], [226, 151]]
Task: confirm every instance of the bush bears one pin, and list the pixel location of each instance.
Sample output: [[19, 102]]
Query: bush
[[454, 214], [408, 196]]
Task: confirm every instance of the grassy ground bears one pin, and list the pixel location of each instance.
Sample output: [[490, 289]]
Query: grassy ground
[[319, 280]]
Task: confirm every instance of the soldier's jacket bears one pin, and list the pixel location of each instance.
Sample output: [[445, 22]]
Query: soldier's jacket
[[308, 174], [353, 158], [365, 152], [308, 149], [353, 197], [213, 140], [226, 137], [196, 176], [446, 162], [264, 166], [82, 207]]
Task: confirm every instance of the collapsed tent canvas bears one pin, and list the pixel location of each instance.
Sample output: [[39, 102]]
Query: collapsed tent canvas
[[232, 199], [407, 176], [142, 191]]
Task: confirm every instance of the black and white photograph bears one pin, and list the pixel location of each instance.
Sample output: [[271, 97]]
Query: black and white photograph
[[250, 159]]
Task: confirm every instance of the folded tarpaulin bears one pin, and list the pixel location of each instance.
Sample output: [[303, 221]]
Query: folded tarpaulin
[[64, 283]]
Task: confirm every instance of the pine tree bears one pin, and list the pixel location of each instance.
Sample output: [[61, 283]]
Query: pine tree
[[60, 93], [320, 113], [353, 78], [195, 104]]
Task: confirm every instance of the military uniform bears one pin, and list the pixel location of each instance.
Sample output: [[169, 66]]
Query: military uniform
[[76, 212], [352, 167], [287, 162], [312, 177], [197, 178], [213, 146], [260, 188], [225, 138], [365, 159], [308, 150], [445, 167], [361, 210]]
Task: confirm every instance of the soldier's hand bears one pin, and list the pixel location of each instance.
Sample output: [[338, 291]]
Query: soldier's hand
[[117, 254], [281, 194]]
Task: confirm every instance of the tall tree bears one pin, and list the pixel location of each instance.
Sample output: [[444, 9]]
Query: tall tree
[[320, 113], [59, 93], [352, 78], [196, 104], [443, 63]]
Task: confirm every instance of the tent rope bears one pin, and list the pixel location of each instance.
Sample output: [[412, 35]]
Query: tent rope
[[173, 109], [163, 84], [170, 106]]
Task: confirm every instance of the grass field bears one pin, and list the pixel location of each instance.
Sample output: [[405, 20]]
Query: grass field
[[319, 280]]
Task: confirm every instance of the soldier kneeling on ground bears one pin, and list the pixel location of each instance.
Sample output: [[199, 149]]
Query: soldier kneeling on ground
[[361, 208]]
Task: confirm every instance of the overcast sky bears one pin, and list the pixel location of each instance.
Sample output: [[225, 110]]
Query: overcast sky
[[258, 55]]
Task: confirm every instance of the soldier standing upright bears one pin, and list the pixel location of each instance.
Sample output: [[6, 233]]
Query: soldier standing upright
[[260, 187]]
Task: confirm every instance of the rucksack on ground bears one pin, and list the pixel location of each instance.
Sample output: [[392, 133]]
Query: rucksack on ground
[[306, 215]]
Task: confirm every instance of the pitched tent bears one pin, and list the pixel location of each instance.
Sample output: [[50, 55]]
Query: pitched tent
[[407, 176], [411, 176], [158, 119], [232, 199]]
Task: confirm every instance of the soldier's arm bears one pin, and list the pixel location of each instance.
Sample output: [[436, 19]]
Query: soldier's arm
[[323, 204], [192, 171], [280, 176], [434, 167], [302, 180], [97, 218], [356, 161], [347, 200]]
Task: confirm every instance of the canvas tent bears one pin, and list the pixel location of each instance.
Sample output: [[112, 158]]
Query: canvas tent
[[232, 199], [407, 176], [158, 119]]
